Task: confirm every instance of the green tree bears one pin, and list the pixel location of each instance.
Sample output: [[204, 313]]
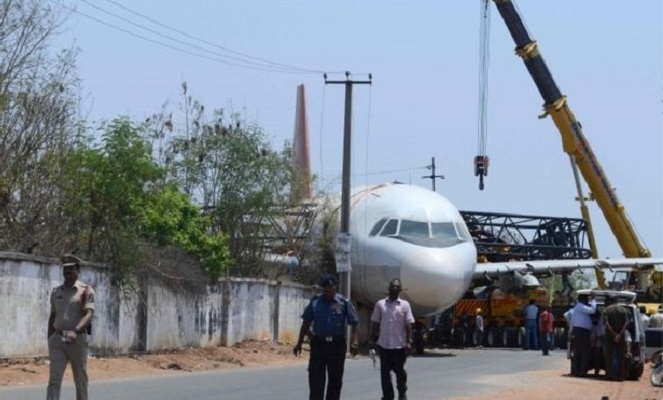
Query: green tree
[[172, 219], [230, 170]]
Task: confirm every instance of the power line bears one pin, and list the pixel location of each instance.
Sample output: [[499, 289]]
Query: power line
[[183, 33], [156, 32], [172, 47]]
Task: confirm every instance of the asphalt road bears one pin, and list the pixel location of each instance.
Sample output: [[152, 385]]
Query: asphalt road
[[443, 374]]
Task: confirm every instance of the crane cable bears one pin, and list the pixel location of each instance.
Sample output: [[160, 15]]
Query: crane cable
[[481, 160]]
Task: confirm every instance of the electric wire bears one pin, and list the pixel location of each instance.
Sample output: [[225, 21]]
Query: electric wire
[[156, 32], [172, 47], [209, 43]]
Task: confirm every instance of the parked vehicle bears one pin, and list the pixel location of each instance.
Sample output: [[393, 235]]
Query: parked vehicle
[[635, 357]]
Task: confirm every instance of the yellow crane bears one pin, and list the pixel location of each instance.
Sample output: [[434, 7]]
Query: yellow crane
[[575, 144]]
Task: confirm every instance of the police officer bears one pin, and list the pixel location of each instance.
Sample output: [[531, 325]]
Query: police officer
[[72, 308], [329, 313]]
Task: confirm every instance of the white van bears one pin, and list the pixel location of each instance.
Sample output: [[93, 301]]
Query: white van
[[636, 363]]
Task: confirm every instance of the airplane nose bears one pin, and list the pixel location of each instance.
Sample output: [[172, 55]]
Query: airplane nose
[[438, 278]]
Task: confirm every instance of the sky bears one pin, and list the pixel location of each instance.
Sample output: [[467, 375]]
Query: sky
[[606, 57]]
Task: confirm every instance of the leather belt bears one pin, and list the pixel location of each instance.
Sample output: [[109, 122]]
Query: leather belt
[[328, 339]]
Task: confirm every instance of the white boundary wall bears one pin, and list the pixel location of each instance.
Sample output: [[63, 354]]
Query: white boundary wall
[[234, 310]]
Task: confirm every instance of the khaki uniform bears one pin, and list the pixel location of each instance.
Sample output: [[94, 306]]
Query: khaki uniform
[[615, 353], [69, 305]]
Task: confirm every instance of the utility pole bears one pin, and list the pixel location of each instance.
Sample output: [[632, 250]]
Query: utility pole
[[343, 266], [432, 176]]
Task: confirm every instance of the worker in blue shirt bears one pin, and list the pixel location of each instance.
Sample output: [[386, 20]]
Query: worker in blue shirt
[[329, 314], [581, 342]]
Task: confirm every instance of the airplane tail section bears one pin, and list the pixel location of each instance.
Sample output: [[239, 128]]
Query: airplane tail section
[[302, 184]]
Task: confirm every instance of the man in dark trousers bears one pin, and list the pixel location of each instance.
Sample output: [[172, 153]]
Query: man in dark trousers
[[329, 314], [581, 342], [546, 325], [391, 322], [614, 345]]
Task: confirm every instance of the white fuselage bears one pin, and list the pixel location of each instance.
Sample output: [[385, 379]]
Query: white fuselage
[[412, 233]]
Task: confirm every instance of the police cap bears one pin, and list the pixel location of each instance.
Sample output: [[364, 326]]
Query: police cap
[[70, 259], [328, 280]]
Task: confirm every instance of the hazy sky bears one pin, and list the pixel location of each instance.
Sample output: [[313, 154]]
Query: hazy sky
[[605, 56]]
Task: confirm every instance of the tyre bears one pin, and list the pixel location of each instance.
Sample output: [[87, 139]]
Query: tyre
[[459, 337], [656, 377], [508, 337]]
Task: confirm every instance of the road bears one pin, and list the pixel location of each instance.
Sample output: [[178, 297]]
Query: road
[[443, 374]]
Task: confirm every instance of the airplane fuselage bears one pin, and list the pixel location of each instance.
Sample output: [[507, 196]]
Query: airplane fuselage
[[412, 233]]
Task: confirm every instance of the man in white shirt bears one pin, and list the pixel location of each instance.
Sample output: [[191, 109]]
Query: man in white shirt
[[392, 321], [582, 328]]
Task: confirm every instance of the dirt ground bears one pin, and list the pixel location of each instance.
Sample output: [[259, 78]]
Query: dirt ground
[[247, 354], [552, 384]]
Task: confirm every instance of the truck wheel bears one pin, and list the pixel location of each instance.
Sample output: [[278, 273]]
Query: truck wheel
[[459, 337], [656, 377], [511, 333]]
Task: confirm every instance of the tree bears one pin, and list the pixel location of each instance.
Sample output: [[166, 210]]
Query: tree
[[37, 124], [228, 168]]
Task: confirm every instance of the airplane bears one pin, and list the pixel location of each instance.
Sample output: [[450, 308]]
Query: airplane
[[409, 232]]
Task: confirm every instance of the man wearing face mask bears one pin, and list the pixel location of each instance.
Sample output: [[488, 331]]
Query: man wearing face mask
[[391, 323]]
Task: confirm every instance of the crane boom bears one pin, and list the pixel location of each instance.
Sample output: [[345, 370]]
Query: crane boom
[[573, 139]]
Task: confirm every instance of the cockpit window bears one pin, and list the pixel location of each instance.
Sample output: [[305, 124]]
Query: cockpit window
[[423, 233], [463, 231], [377, 227], [444, 230], [414, 229], [390, 228]]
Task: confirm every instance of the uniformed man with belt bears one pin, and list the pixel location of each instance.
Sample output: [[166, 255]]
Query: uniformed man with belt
[[329, 314], [72, 308]]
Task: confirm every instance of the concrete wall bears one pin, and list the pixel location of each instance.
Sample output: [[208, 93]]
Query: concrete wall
[[226, 313]]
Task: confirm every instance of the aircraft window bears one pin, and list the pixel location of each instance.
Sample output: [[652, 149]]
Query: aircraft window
[[444, 230], [463, 231], [414, 229], [377, 227], [390, 228]]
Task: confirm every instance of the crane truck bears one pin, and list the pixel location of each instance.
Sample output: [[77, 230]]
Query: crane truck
[[643, 279]]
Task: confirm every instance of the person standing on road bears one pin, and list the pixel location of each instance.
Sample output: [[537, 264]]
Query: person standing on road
[[391, 322], [545, 329], [479, 327], [616, 322], [72, 309], [581, 344], [597, 338], [531, 316], [329, 314]]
